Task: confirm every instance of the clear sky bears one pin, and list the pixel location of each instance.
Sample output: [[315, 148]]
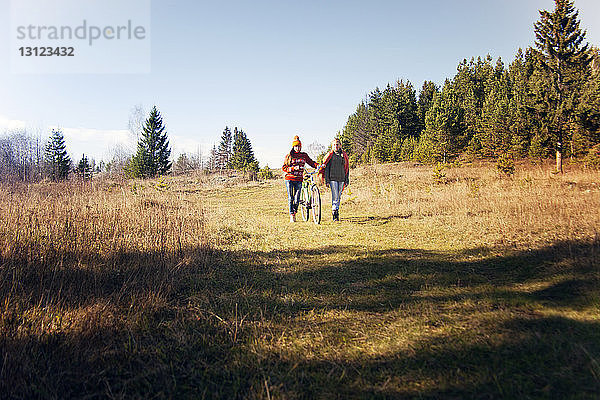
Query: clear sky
[[273, 68]]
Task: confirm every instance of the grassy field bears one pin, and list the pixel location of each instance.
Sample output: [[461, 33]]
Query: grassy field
[[199, 287]]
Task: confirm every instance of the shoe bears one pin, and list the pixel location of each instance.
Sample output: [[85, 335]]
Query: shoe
[[336, 215], [292, 217]]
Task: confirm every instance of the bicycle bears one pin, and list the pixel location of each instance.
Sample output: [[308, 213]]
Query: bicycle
[[310, 198]]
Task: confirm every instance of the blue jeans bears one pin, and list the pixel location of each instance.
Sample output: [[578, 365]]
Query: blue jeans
[[336, 194], [293, 190]]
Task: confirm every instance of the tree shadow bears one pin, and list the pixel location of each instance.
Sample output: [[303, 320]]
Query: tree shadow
[[373, 219], [194, 329], [533, 358]]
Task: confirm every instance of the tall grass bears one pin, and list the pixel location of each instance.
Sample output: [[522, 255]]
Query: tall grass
[[531, 208], [90, 261]]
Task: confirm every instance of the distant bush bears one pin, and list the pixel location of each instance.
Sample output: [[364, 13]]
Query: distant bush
[[439, 176], [505, 165], [408, 148], [592, 158], [265, 173]]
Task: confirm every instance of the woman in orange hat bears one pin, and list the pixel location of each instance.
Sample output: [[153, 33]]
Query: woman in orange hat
[[293, 166]]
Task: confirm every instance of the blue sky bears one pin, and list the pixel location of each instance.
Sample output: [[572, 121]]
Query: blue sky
[[272, 68]]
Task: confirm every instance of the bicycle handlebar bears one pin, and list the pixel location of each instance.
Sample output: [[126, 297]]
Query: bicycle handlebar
[[317, 169]]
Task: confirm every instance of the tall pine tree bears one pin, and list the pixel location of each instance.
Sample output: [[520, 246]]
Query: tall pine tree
[[426, 95], [589, 107], [57, 160], [445, 133], [242, 157], [84, 169], [560, 43], [224, 150], [152, 158]]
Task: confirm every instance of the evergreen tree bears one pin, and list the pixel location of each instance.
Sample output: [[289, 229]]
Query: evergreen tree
[[152, 158], [212, 159], [522, 120], [563, 57], [494, 135], [224, 151], [57, 161], [356, 137], [407, 150], [426, 95], [183, 164], [588, 109], [384, 106], [471, 85], [407, 112], [445, 134], [242, 157], [548, 99], [84, 169]]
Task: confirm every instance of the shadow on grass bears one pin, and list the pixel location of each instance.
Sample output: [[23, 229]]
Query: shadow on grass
[[373, 219], [210, 327]]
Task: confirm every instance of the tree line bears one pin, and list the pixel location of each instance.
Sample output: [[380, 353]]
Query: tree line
[[233, 152], [28, 159], [546, 102]]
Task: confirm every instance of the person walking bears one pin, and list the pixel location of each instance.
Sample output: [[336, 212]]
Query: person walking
[[336, 171], [293, 166]]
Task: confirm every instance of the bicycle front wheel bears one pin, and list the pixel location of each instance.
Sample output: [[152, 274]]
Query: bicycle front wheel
[[315, 204], [304, 204]]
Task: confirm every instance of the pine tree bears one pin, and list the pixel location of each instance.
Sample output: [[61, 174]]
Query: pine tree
[[445, 133], [84, 169], [57, 161], [224, 151], [357, 134], [563, 57], [152, 158], [426, 95], [183, 164], [384, 117], [242, 157], [212, 159], [523, 119], [494, 135], [471, 85], [407, 112], [588, 109]]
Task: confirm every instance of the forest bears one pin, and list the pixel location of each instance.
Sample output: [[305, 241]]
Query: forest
[[545, 103]]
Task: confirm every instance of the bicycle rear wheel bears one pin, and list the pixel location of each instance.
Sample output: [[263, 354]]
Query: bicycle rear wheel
[[304, 204], [315, 204]]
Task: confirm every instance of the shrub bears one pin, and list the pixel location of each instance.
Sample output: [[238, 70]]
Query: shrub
[[424, 151], [265, 173], [408, 148], [592, 158], [439, 176], [505, 165]]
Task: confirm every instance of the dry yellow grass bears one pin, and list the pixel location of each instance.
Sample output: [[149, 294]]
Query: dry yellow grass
[[532, 208], [198, 286]]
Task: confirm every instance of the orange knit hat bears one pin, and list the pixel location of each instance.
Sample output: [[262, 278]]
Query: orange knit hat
[[296, 141]]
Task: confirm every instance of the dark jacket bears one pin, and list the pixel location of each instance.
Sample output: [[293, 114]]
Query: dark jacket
[[327, 164]]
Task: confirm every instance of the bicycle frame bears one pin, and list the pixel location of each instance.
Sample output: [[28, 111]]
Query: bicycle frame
[[310, 198]]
